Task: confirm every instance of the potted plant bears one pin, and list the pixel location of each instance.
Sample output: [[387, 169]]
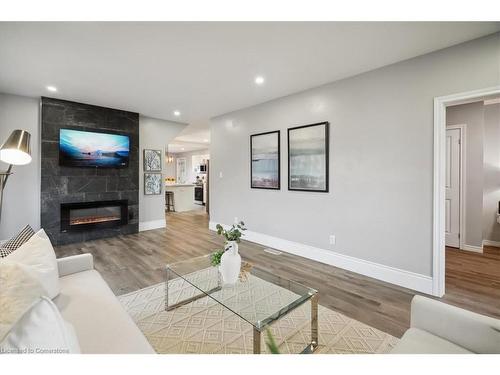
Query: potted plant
[[271, 343], [229, 258], [215, 257]]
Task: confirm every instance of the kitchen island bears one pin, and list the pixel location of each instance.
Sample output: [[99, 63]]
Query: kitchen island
[[183, 197]]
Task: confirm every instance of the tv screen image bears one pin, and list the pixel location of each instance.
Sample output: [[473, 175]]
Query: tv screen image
[[90, 149]]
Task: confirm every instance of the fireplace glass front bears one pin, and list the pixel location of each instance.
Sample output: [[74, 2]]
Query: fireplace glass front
[[86, 215]]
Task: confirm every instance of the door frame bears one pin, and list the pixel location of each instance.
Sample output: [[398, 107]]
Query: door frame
[[462, 173], [438, 237]]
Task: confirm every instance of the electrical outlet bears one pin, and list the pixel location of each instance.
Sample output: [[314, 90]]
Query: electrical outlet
[[220, 174], [332, 239]]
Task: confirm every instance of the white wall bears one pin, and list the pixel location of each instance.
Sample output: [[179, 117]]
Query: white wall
[[473, 117], [153, 134], [491, 228], [381, 164], [21, 204]]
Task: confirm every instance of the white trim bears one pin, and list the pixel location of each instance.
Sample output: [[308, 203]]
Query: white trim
[[407, 279], [438, 238], [491, 101], [154, 224], [462, 171], [476, 249], [491, 243]]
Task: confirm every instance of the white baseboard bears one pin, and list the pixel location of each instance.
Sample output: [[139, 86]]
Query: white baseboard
[[154, 224], [407, 279], [491, 243], [476, 249]]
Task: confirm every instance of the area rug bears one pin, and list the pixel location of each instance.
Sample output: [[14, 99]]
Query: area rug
[[206, 327]]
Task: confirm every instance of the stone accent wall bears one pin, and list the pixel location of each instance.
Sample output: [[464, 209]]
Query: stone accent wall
[[60, 184]]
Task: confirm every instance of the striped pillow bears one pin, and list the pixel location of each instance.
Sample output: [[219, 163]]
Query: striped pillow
[[9, 246]]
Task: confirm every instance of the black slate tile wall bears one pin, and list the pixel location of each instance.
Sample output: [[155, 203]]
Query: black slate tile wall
[[60, 184]]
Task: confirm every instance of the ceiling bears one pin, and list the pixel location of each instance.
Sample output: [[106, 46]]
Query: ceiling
[[204, 69], [179, 146]]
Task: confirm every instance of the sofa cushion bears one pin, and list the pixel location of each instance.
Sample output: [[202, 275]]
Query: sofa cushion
[[100, 322], [417, 341]]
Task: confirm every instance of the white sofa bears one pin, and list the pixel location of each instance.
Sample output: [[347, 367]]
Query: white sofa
[[439, 328], [86, 301]]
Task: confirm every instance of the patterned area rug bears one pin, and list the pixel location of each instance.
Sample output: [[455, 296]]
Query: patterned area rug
[[206, 327]]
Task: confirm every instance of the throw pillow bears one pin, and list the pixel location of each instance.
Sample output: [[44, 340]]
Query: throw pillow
[[30, 322], [39, 255], [42, 330], [15, 242], [18, 293]]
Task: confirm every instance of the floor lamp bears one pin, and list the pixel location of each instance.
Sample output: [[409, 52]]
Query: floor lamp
[[15, 150]]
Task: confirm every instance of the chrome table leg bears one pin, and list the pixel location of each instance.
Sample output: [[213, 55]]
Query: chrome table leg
[[256, 341]]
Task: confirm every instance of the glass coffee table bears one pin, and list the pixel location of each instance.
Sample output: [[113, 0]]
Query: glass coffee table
[[259, 297]]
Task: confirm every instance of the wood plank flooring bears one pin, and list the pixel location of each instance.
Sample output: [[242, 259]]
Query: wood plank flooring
[[473, 280], [135, 261]]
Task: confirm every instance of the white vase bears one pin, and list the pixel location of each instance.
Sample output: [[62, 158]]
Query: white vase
[[230, 263]]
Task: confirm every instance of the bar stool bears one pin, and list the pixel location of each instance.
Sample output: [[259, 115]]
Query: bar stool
[[169, 201]]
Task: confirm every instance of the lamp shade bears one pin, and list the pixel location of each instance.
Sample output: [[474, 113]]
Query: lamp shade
[[16, 149]]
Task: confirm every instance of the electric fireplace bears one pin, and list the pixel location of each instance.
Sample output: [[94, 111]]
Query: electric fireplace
[[90, 215]]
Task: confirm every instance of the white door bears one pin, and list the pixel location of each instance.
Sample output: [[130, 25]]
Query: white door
[[452, 184]]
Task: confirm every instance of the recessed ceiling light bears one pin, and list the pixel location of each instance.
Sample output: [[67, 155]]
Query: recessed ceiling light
[[52, 88], [182, 148], [259, 80], [177, 113], [205, 140]]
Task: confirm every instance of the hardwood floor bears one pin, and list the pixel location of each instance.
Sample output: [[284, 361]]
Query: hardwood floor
[[135, 261], [473, 280]]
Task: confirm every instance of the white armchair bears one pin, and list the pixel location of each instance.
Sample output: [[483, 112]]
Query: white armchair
[[439, 328]]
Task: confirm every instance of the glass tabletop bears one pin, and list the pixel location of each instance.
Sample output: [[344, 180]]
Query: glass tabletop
[[259, 296]]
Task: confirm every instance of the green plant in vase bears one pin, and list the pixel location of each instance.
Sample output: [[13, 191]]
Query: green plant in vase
[[228, 260], [215, 257], [232, 234]]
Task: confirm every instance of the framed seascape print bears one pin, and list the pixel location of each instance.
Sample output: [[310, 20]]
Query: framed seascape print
[[152, 183], [265, 160], [308, 157], [152, 160]]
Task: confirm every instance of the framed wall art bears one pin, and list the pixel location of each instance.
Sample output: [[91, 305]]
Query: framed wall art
[[152, 183], [152, 160], [265, 160], [308, 157]]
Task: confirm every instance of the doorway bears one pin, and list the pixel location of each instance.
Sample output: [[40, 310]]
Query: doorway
[[441, 158]]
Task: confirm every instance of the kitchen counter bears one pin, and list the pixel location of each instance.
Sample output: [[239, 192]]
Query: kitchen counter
[[183, 196], [174, 185]]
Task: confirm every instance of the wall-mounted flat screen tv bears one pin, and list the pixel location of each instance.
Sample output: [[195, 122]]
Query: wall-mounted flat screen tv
[[79, 148]]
